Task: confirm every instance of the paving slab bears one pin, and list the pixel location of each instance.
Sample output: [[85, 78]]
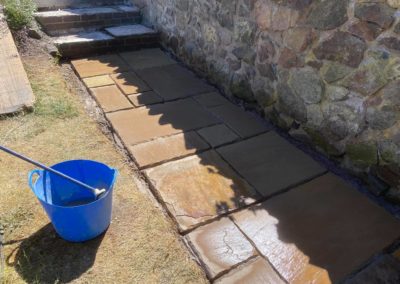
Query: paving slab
[[98, 81], [220, 245], [385, 269], [147, 123], [130, 83], [212, 99], [318, 232], [15, 90], [243, 123], [218, 135], [110, 98], [81, 37], [270, 163], [167, 148], [130, 30], [257, 271], [198, 188], [147, 58], [100, 65], [146, 98], [174, 81]]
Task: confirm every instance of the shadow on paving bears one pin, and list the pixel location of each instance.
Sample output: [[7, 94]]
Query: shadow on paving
[[329, 235], [322, 230], [46, 258]]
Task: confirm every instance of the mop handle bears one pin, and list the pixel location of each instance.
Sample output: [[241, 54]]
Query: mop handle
[[26, 159]]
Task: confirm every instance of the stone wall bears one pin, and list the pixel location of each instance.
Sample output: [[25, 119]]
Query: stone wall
[[327, 71]]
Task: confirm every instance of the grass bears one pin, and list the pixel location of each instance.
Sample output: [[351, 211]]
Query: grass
[[19, 13], [141, 245]]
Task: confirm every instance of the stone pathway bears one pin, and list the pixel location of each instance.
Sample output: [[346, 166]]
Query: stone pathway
[[254, 208]]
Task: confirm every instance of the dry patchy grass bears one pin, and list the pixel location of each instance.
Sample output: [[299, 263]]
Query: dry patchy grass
[[141, 245]]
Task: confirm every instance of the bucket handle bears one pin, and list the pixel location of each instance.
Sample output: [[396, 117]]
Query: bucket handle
[[30, 177]]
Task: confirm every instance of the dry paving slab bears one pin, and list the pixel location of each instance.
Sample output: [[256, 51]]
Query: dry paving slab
[[130, 83], [174, 81], [110, 98], [150, 122], [321, 231], [15, 90], [146, 98], [98, 81], [218, 135], [243, 123], [99, 65], [167, 148], [147, 58], [270, 163]]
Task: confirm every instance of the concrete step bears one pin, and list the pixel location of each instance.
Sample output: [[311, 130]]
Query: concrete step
[[97, 42], [46, 5], [72, 21]]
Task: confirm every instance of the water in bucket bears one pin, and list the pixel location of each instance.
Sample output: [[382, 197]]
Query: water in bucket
[[73, 211]]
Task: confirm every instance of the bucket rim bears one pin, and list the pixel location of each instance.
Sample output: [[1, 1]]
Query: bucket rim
[[108, 192]]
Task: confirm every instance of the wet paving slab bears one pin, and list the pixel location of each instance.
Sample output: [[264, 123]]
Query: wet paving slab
[[220, 246], [199, 188], [255, 208], [321, 230], [255, 271]]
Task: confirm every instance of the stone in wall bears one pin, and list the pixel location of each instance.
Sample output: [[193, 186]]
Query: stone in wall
[[307, 84], [391, 42], [365, 30], [378, 13], [342, 47], [328, 14], [333, 71]]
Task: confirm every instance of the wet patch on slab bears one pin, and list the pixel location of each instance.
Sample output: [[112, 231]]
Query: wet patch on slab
[[220, 245], [199, 188]]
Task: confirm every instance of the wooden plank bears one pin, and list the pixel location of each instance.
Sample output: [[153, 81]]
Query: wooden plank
[[15, 89]]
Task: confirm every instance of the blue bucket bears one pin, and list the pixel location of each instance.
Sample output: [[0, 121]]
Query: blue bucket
[[74, 213]]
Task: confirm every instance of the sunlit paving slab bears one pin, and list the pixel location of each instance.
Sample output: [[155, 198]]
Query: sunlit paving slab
[[100, 65], [110, 98], [319, 232], [130, 83], [167, 148], [98, 81], [256, 271], [270, 163], [198, 188], [145, 98], [174, 81], [220, 246], [150, 122], [147, 58], [243, 123]]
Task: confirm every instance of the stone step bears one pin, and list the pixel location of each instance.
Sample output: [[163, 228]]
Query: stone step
[[130, 31], [46, 5], [70, 21], [97, 42]]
